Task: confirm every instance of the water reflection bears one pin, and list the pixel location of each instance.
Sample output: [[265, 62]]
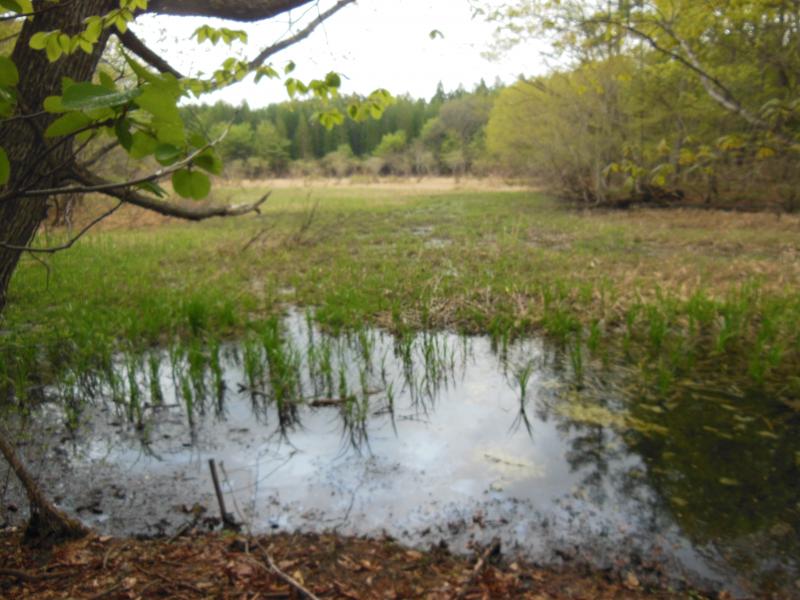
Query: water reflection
[[438, 436]]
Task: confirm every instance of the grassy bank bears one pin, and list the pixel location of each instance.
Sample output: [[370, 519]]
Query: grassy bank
[[676, 293]]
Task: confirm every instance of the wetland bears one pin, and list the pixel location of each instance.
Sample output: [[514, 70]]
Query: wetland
[[362, 381]]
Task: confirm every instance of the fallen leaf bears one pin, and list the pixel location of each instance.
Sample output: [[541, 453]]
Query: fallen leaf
[[631, 581]]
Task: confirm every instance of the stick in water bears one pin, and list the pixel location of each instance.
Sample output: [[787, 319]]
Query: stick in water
[[228, 522]]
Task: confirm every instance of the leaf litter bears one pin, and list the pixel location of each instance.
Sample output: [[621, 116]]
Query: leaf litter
[[229, 566]]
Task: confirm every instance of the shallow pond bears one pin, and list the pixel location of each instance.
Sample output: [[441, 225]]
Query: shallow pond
[[437, 439]]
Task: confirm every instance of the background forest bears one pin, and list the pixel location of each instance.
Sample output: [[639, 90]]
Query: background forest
[[443, 135], [695, 103]]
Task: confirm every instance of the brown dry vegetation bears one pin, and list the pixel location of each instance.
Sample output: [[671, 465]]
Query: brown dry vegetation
[[224, 566]]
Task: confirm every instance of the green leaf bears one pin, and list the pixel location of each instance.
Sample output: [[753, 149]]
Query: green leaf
[[153, 188], [7, 102], [9, 75], [39, 40], [141, 72], [11, 5], [88, 96], [86, 135], [5, 167], [122, 129], [198, 140], [94, 28], [65, 42], [167, 154], [53, 104], [143, 145], [106, 81], [329, 119], [266, 71], [170, 132], [53, 48], [333, 80], [191, 184], [160, 99], [209, 161], [67, 124]]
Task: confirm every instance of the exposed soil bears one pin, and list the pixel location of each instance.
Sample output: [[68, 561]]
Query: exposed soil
[[231, 566]]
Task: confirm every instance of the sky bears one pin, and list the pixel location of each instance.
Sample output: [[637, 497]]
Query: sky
[[373, 44]]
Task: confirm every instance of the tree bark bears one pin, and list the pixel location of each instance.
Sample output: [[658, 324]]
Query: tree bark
[[34, 161]]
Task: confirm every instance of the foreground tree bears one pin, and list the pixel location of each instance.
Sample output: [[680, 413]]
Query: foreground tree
[[54, 102]]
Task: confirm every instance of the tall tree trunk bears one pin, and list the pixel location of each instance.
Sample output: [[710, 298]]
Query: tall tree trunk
[[37, 162]]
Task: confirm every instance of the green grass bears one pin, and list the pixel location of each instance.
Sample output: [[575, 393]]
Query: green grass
[[678, 293]]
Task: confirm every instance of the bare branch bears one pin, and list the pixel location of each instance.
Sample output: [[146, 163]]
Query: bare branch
[[715, 88], [138, 47], [9, 37], [37, 12], [110, 185], [100, 154], [70, 243], [299, 36], [168, 209], [235, 10], [22, 117]]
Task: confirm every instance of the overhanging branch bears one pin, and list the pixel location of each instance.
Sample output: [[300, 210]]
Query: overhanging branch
[[39, 11], [300, 35], [168, 209], [110, 185], [235, 10], [138, 47]]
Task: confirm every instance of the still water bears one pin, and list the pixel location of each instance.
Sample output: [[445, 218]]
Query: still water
[[439, 438]]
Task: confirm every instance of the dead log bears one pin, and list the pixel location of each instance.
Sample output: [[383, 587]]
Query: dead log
[[47, 524]]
